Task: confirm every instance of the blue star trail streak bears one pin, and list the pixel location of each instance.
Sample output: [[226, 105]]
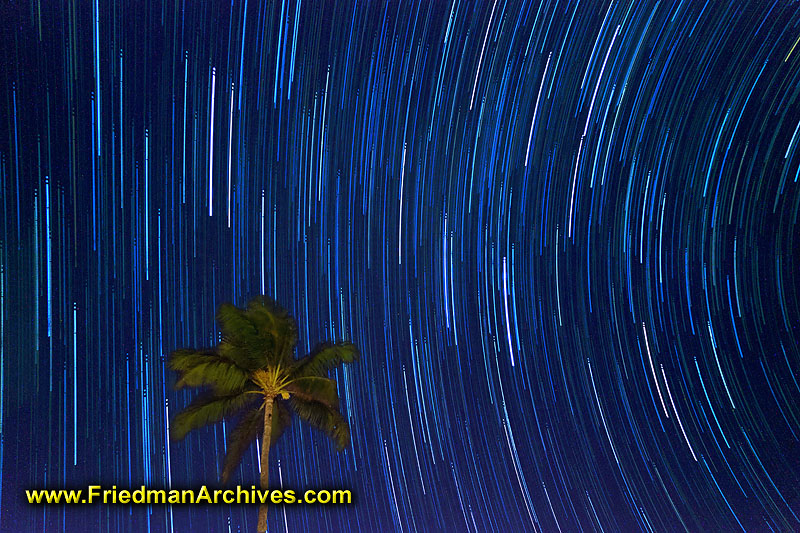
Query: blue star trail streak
[[563, 234]]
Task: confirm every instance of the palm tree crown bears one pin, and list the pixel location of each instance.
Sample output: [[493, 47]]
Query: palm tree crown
[[252, 374]]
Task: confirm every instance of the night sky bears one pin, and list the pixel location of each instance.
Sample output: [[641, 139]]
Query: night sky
[[564, 236]]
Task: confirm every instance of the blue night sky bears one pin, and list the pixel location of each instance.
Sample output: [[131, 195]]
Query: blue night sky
[[564, 236]]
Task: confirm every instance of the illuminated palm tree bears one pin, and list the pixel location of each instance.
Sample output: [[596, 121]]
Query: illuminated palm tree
[[252, 374]]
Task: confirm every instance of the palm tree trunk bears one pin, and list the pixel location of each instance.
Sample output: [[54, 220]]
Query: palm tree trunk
[[265, 442]]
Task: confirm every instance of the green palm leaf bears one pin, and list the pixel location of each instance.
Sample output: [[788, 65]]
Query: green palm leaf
[[249, 427], [186, 359], [281, 420], [246, 431], [327, 420], [207, 409], [242, 342], [325, 357], [315, 389], [276, 328], [222, 376]]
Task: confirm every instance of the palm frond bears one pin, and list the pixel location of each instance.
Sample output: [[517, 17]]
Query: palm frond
[[275, 327], [221, 375], [234, 323], [242, 342], [315, 389], [281, 420], [186, 359], [208, 409], [246, 355], [245, 432], [325, 357], [328, 420], [249, 427]]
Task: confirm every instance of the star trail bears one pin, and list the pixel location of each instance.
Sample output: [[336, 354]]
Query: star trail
[[564, 236]]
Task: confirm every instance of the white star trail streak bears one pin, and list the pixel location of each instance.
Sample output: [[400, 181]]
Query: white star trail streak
[[211, 146]]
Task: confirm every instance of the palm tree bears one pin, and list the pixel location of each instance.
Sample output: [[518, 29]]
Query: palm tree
[[252, 374]]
